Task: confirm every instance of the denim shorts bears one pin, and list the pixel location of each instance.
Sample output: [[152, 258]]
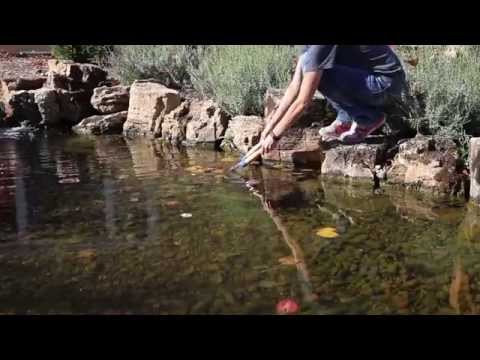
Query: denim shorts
[[359, 95]]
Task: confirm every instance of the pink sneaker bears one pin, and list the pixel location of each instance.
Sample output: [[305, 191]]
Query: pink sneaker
[[358, 133], [334, 130]]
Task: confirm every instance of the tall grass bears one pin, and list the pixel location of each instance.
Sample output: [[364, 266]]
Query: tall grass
[[167, 63], [237, 76]]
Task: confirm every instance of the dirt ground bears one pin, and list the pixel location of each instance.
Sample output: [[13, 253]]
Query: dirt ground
[[26, 66]]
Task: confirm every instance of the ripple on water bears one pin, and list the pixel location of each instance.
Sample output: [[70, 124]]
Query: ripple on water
[[62, 199]]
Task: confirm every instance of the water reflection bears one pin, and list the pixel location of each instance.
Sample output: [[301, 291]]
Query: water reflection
[[103, 216]]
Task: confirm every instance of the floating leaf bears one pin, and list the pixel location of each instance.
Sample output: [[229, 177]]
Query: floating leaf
[[328, 232]]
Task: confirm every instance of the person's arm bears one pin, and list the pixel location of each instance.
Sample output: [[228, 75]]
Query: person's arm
[[308, 86], [288, 98]]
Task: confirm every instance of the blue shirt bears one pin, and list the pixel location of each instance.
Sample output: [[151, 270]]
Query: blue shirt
[[380, 59]]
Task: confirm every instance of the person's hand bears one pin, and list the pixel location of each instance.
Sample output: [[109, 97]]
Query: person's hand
[[264, 135], [268, 144], [266, 129]]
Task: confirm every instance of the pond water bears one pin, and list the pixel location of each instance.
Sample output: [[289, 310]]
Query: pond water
[[115, 226]]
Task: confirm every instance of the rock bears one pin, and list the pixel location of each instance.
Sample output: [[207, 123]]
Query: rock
[[300, 146], [21, 106], [207, 122], [174, 126], [48, 107], [150, 101], [109, 100], [102, 124], [243, 133], [72, 76], [74, 106], [474, 159], [110, 82], [10, 85], [57, 81], [427, 163], [319, 111], [355, 161]]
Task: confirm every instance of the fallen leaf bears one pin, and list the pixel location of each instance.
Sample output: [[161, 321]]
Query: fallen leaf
[[327, 232], [88, 254], [287, 260], [172, 204]]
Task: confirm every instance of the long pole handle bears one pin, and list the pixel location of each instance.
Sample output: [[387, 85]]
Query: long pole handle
[[254, 152]]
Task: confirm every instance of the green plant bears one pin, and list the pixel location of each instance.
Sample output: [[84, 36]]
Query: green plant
[[444, 95], [81, 53], [167, 63], [237, 76]]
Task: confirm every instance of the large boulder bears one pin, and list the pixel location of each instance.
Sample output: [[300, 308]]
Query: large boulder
[[207, 122], [74, 106], [474, 158], [298, 146], [357, 161], [150, 101], [21, 106], [426, 163], [243, 133], [109, 100], [174, 126], [72, 76], [102, 124], [48, 107]]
